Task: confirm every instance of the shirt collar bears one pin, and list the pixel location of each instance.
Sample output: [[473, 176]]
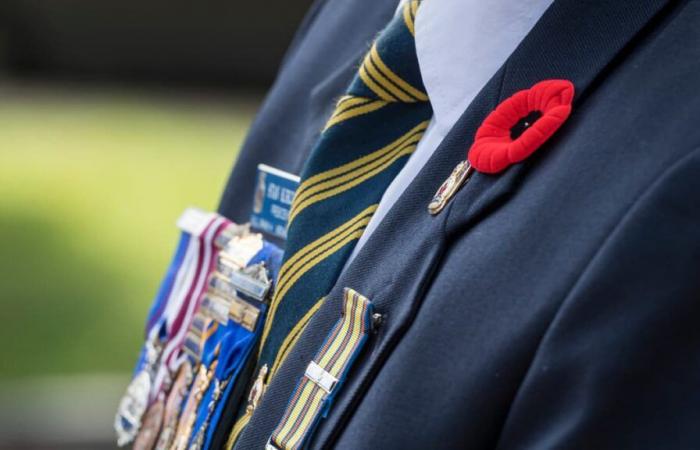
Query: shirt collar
[[460, 45]]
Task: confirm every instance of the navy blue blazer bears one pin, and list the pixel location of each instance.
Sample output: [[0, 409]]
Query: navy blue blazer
[[322, 60], [555, 305]]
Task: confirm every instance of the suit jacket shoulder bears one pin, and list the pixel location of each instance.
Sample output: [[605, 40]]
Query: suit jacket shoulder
[[316, 71]]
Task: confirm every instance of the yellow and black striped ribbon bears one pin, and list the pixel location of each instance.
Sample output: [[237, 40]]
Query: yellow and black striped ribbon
[[324, 375], [286, 347], [375, 127]]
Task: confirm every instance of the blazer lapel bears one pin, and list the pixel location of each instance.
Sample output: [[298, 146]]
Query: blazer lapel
[[575, 40]]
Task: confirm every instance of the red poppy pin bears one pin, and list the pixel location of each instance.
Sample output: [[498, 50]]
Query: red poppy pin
[[511, 133]]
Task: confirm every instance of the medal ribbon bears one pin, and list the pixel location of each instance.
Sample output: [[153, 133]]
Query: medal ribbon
[[371, 134], [324, 375], [187, 301], [211, 346], [139, 392], [237, 344], [166, 287]]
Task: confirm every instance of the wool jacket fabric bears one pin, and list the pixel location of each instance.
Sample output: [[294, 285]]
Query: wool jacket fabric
[[551, 305]]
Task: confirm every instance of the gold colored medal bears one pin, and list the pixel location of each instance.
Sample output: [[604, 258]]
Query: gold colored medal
[[132, 408], [460, 174], [189, 413], [150, 429], [177, 395]]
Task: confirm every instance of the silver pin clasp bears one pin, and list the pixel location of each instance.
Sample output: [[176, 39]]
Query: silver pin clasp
[[321, 377], [460, 174]]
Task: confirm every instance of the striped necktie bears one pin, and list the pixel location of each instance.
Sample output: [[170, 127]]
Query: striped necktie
[[367, 140]]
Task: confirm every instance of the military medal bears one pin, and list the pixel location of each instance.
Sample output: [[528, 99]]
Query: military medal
[[232, 230], [512, 132], [189, 412], [145, 384], [211, 284], [198, 440], [178, 392], [252, 281], [180, 326], [151, 426], [257, 390], [222, 286], [196, 336], [244, 314], [133, 405], [460, 174], [216, 307], [240, 249], [222, 302]]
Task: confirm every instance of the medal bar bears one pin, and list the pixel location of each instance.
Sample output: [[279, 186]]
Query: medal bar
[[134, 403], [193, 339], [252, 281], [244, 314], [222, 285], [216, 307], [241, 249], [233, 230]]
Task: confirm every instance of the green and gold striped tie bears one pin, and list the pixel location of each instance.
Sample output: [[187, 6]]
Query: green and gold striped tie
[[374, 129]]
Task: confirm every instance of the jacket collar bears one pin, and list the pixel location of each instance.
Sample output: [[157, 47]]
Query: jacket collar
[[487, 33], [575, 40]]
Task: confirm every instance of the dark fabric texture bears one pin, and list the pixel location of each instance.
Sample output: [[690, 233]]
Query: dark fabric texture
[[334, 202], [554, 305], [318, 67]]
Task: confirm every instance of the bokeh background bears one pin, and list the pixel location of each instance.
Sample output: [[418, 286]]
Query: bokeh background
[[115, 115]]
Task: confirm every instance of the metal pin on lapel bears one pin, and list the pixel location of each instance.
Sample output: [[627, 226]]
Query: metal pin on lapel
[[377, 320], [460, 174]]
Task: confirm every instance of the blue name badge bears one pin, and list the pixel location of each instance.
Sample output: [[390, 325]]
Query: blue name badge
[[272, 200]]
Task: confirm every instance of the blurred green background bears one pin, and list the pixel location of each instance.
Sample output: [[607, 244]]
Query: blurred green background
[[114, 117], [92, 180], [91, 187]]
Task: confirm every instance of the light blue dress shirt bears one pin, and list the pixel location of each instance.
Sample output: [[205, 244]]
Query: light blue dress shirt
[[460, 45]]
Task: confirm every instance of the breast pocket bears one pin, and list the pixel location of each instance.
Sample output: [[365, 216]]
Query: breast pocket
[[313, 395]]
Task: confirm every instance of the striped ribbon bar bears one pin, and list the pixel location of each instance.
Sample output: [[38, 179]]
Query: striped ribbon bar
[[324, 374], [189, 296], [375, 128], [141, 390]]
